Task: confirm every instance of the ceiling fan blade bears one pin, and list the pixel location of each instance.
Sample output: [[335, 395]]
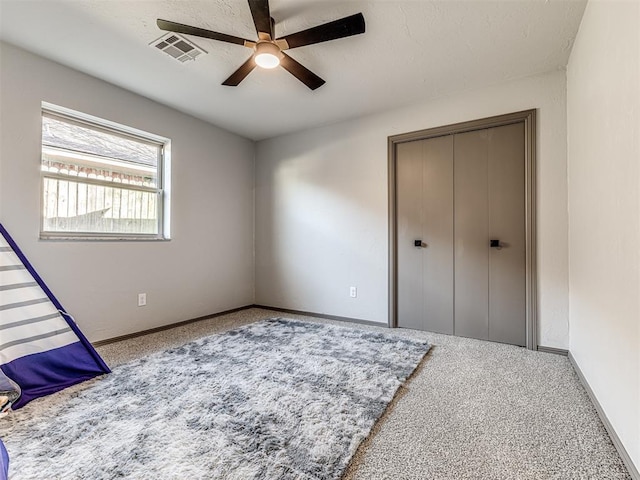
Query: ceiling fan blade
[[301, 72], [344, 27], [201, 32], [261, 17], [241, 73]]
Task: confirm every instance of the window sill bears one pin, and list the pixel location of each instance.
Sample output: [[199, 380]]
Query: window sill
[[97, 238]]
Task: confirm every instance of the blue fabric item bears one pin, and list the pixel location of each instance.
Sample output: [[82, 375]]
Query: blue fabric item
[[47, 372], [4, 462]]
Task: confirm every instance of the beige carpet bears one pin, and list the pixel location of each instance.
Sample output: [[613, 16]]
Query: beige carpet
[[473, 410]]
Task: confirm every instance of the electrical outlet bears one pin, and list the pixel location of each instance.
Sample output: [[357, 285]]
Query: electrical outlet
[[353, 292], [142, 299]]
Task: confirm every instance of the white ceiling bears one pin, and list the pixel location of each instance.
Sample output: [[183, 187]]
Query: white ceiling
[[411, 51]]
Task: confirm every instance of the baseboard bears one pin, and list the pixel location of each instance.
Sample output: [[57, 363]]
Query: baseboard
[[556, 351], [322, 315], [107, 341], [633, 471]]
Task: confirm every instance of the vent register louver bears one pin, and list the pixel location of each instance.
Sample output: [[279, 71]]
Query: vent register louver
[[178, 47]]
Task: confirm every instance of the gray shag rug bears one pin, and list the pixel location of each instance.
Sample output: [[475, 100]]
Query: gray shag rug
[[279, 399]]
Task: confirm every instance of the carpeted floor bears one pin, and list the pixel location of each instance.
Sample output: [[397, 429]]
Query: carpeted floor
[[473, 410]]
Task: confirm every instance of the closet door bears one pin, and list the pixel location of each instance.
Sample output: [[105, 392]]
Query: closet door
[[461, 234], [425, 234], [489, 210]]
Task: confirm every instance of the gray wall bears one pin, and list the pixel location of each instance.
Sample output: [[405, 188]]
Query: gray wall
[[604, 211], [321, 204], [207, 266]]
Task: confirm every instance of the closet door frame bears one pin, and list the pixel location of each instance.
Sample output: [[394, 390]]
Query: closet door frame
[[528, 117]]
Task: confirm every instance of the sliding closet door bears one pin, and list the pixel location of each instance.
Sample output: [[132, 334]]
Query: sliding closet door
[[425, 234]]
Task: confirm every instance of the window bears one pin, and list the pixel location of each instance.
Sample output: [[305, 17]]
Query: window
[[101, 180]]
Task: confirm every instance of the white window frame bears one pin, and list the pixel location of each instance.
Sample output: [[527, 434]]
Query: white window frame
[[163, 176]]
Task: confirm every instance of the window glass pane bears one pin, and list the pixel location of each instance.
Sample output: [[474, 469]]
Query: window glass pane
[[56, 132], [73, 206], [78, 151]]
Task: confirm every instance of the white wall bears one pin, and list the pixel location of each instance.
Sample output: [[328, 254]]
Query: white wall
[[207, 267], [604, 211], [321, 205]]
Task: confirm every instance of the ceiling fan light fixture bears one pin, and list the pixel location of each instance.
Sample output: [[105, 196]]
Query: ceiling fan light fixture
[[267, 55]]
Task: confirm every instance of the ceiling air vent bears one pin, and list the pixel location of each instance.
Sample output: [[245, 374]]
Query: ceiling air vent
[[178, 47]]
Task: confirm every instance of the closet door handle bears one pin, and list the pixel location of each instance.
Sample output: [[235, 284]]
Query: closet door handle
[[419, 244]]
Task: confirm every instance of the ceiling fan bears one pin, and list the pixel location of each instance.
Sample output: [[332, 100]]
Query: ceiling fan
[[268, 50]]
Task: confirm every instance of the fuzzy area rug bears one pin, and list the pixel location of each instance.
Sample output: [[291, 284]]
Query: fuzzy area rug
[[278, 399]]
